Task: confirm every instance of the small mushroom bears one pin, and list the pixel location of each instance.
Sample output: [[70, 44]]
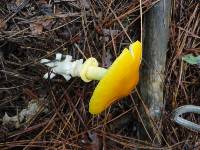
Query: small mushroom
[[115, 82]]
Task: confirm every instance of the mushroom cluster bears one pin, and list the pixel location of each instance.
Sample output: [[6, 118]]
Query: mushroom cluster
[[114, 83]]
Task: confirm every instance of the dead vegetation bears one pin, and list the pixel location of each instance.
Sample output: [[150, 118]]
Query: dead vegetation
[[32, 30], [183, 80]]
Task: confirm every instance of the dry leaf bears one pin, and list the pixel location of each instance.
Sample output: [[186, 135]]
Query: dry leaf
[[16, 5], [47, 24], [19, 2], [36, 28], [85, 4], [108, 32], [3, 24], [24, 115], [41, 24]]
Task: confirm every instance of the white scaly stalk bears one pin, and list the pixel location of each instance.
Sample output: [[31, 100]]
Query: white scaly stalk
[[67, 68], [88, 70]]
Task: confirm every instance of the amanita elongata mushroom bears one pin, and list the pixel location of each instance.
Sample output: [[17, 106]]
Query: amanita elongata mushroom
[[115, 82]]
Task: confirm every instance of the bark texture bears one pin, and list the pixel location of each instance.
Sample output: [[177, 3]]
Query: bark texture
[[155, 44]]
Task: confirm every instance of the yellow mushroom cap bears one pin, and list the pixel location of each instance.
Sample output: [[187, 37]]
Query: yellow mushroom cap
[[119, 80]]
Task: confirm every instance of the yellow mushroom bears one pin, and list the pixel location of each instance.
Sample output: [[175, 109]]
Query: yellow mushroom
[[117, 81]]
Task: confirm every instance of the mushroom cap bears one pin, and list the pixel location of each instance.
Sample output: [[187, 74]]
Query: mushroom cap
[[121, 77]]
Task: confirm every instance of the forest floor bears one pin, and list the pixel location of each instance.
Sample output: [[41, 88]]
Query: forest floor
[[58, 109]]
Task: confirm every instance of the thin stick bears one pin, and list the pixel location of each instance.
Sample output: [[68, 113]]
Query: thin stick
[[141, 21]]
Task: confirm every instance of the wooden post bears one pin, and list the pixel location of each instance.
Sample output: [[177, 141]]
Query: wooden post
[[155, 44]]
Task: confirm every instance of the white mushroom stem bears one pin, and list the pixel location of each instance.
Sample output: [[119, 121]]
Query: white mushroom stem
[[95, 73], [88, 70]]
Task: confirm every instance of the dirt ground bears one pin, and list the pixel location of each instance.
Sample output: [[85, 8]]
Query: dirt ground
[[59, 119]]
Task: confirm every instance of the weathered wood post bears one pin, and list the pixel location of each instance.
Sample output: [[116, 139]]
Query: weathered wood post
[[155, 42]]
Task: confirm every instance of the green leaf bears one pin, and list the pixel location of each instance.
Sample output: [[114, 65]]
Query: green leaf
[[191, 59]]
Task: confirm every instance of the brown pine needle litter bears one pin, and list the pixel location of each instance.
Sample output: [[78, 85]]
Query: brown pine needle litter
[[32, 30]]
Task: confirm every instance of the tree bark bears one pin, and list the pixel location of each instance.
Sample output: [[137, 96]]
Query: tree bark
[[155, 44]]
